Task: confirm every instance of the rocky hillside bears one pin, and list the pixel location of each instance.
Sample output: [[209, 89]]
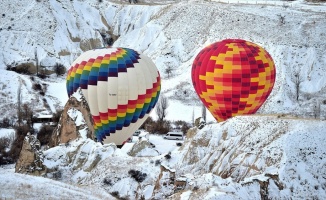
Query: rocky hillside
[[42, 33], [247, 157]]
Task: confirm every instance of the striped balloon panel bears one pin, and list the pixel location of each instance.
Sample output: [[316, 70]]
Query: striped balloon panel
[[120, 85]]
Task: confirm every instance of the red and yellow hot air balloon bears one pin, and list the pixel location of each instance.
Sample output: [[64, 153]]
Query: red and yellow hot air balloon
[[233, 77], [121, 87]]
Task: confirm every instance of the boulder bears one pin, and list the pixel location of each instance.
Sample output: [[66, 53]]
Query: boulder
[[30, 159], [75, 122]]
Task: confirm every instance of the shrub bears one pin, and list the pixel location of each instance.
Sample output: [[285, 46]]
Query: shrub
[[13, 154], [42, 76], [59, 69], [115, 194], [161, 127], [22, 69], [44, 134], [56, 116], [179, 144], [168, 156], [137, 175], [4, 154], [9, 68], [157, 162], [37, 86], [107, 181], [57, 175], [5, 123]]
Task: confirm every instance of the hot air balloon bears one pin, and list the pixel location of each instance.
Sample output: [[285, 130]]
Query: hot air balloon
[[121, 87], [233, 77]]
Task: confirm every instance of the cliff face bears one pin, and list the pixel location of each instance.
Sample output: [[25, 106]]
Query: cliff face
[[281, 155], [75, 122], [31, 158], [50, 32]]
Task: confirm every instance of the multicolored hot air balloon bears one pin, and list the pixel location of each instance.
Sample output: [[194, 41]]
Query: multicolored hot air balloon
[[121, 87], [233, 77]]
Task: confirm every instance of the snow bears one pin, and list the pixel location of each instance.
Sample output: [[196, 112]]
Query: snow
[[163, 146], [7, 132], [148, 29], [76, 116], [31, 187], [245, 149]]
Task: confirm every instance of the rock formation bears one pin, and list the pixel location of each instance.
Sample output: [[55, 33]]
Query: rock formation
[[75, 119], [30, 160]]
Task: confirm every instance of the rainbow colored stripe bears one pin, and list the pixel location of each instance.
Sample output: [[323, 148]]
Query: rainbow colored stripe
[[100, 68], [90, 71]]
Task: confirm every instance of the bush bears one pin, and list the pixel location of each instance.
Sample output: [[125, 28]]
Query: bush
[[56, 116], [137, 175], [57, 175], [5, 157], [161, 127], [107, 181], [11, 156], [44, 134], [157, 162], [168, 156], [59, 69], [22, 69], [183, 125], [37, 86], [5, 123], [42, 76], [115, 194]]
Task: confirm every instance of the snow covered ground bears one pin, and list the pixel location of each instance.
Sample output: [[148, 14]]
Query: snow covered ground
[[163, 146], [20, 186], [171, 34], [245, 157], [238, 159], [7, 132]]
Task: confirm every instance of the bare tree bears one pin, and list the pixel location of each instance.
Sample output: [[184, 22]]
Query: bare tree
[[27, 114], [316, 109], [36, 60], [297, 81], [161, 107], [168, 71], [282, 19], [193, 117], [19, 101], [203, 112]]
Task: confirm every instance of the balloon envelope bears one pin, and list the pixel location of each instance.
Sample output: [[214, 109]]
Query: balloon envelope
[[233, 77], [121, 87]]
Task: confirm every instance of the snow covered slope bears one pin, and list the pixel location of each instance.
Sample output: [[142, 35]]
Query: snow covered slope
[[171, 34], [246, 157], [287, 153], [20, 186]]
